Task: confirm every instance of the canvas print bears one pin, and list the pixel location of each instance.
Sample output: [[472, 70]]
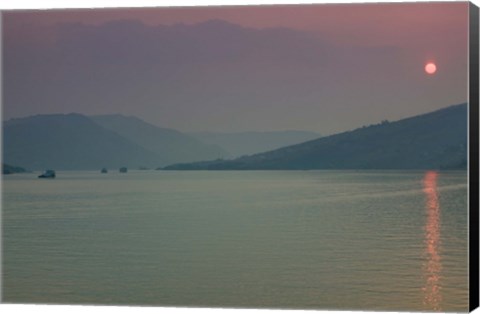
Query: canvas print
[[280, 156]]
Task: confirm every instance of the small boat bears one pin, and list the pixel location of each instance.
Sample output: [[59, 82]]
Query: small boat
[[48, 174], [123, 170], [104, 170]]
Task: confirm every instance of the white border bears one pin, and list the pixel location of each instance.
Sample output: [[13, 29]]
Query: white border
[[49, 4]]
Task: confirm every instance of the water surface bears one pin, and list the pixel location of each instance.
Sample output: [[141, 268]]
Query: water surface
[[364, 240]]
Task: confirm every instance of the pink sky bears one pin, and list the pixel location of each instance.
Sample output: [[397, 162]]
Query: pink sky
[[370, 21], [418, 32]]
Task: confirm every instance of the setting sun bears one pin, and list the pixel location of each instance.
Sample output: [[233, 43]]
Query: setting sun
[[430, 68]]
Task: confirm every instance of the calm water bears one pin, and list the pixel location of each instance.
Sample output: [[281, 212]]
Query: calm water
[[276, 239]]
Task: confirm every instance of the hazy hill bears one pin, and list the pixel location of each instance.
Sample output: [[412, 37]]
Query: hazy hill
[[9, 169], [69, 141], [171, 145], [433, 140], [248, 143]]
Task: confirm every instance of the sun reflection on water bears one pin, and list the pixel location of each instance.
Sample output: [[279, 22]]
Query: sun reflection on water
[[433, 265]]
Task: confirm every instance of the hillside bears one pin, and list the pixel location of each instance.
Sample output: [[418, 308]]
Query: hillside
[[428, 141], [9, 169], [171, 145], [69, 142], [248, 143]]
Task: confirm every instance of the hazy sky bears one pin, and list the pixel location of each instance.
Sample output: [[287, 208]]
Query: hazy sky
[[325, 68]]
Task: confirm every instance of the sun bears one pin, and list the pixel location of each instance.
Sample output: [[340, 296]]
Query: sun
[[430, 68]]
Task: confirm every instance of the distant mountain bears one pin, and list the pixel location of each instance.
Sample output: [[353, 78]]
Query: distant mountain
[[77, 142], [428, 141], [171, 145], [248, 143], [70, 141]]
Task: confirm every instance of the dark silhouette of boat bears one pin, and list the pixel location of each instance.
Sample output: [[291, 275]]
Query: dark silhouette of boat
[[123, 170], [104, 170], [48, 174]]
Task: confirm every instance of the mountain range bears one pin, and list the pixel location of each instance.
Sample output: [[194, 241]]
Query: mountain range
[[168, 144], [78, 142], [429, 141]]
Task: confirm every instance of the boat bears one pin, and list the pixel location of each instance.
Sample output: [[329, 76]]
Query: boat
[[123, 170], [104, 170], [48, 174]]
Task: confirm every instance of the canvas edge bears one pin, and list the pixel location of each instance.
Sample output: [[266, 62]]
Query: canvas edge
[[473, 157], [473, 164]]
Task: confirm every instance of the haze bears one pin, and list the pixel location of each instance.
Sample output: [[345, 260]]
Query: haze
[[323, 68]]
